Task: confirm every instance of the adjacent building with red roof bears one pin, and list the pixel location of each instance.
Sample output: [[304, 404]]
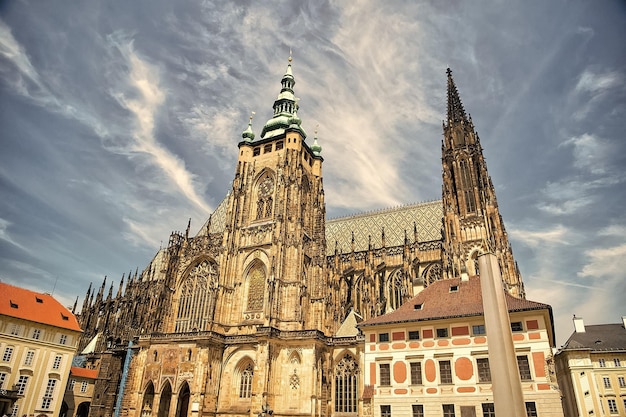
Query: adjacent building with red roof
[[430, 357], [38, 339]]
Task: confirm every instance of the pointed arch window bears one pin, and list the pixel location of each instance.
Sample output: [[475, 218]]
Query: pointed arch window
[[197, 298], [265, 203], [346, 374], [245, 382], [397, 290], [256, 287], [467, 187]]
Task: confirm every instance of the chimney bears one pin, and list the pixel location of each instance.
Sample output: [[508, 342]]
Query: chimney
[[579, 324]]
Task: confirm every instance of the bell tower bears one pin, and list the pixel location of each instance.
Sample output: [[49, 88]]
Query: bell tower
[[472, 223], [274, 242]]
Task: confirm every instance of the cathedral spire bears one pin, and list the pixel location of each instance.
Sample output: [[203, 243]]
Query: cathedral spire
[[456, 112]]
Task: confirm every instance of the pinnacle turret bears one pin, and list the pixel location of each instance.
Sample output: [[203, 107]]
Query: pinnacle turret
[[456, 112]]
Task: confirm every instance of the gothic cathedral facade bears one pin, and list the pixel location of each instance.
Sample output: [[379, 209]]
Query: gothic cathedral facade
[[257, 311]]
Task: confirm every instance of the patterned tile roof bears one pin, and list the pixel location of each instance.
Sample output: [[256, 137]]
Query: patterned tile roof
[[395, 222], [40, 308], [218, 219], [84, 372], [439, 302], [600, 337]]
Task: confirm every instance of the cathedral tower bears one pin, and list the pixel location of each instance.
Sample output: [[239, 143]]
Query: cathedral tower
[[472, 224], [274, 238]]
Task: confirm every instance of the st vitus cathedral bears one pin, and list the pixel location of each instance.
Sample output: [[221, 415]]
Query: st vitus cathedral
[[257, 311]]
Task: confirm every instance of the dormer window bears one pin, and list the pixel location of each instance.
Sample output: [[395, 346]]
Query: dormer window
[[454, 288], [13, 305], [39, 300], [417, 307]]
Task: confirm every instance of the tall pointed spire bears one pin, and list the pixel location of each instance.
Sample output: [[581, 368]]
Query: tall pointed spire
[[456, 112]]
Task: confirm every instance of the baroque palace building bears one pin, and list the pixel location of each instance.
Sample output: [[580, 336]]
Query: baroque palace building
[[258, 310]]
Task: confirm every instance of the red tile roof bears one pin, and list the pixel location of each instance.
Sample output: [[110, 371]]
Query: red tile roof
[[84, 372], [439, 302], [41, 308]]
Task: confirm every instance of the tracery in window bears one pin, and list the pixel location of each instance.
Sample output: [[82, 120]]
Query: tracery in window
[[196, 298], [467, 186], [256, 287], [346, 373], [245, 381], [397, 290]]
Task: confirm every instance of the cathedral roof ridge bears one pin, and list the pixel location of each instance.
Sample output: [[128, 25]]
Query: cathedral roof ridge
[[406, 206]]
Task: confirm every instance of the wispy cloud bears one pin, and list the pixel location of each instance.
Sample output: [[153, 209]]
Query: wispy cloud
[[557, 235], [5, 235]]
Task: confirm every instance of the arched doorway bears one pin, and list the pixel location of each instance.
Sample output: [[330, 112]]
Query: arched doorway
[[64, 408], [83, 409], [166, 398], [183, 401]]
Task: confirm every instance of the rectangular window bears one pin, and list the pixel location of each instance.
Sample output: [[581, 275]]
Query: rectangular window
[[256, 151], [418, 410], [57, 362], [488, 410], [601, 363], [267, 148], [48, 395], [279, 145], [28, 359], [8, 353], [383, 337], [607, 382], [3, 377], [448, 410], [63, 339], [517, 326], [524, 368], [15, 329], [621, 381], [21, 384], [414, 335], [36, 334], [83, 386], [442, 332], [531, 410], [478, 329], [385, 374], [612, 406], [385, 411], [15, 409], [70, 386], [416, 373], [484, 372], [616, 362], [445, 372]]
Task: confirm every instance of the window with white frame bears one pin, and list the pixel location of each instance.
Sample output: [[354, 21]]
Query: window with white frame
[[385, 374], [21, 384], [57, 362], [602, 363], [484, 372], [15, 329], [445, 372], [416, 373], [621, 381], [3, 377], [607, 382], [28, 359], [15, 409], [385, 411], [70, 386], [524, 368], [612, 406], [36, 334], [48, 395], [448, 410], [418, 410], [63, 339], [488, 410], [531, 409], [83, 386], [8, 353], [616, 362]]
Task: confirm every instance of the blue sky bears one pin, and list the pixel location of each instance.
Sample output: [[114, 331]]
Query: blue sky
[[120, 121]]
